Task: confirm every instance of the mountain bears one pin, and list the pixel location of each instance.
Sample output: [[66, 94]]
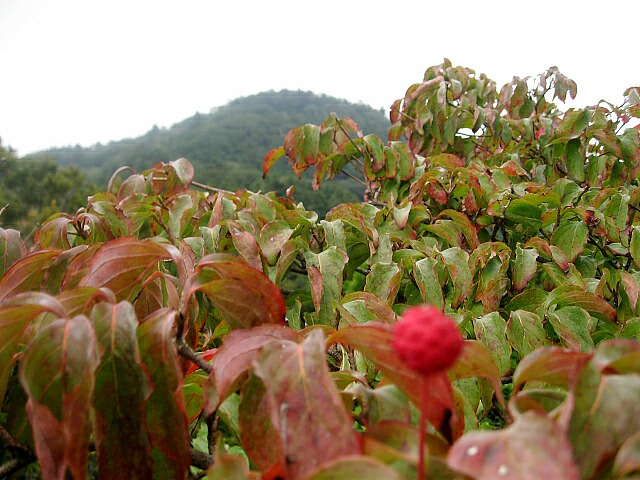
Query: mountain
[[227, 145]]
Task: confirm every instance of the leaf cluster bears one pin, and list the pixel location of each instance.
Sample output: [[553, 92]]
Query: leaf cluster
[[172, 329]]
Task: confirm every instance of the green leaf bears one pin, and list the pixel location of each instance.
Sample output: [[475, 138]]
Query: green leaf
[[325, 277], [120, 396], [384, 281], [362, 307], [491, 330], [574, 296], [57, 374], [571, 237], [355, 468], [634, 245], [426, 277], [575, 160], [522, 212], [533, 447], [456, 261], [525, 332], [307, 406], [574, 326]]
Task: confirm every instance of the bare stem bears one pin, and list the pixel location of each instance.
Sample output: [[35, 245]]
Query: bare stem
[[187, 352]]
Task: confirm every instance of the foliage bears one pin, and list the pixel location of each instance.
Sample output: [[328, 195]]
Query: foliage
[[33, 189], [227, 145], [161, 318]]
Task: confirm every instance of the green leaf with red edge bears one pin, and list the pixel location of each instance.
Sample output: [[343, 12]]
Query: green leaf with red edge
[[235, 358], [426, 276], [606, 412], [362, 307], [571, 237], [531, 448], [355, 468], [180, 176], [552, 365], [231, 467], [525, 332], [16, 315], [53, 233], [166, 418], [476, 361], [270, 159], [193, 387], [80, 300], [374, 340], [569, 295], [325, 278], [57, 373], [26, 274], [305, 404], [273, 236], [244, 296], [456, 261], [56, 272], [524, 267], [12, 249], [123, 264], [574, 326], [467, 228], [120, 396], [618, 356], [491, 330], [384, 281]]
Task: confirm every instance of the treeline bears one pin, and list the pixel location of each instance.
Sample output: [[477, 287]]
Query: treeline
[[227, 146], [33, 189]]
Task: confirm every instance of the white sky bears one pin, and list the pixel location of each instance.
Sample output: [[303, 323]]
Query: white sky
[[87, 71]]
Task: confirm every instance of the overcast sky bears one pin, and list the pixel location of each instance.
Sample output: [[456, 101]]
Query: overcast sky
[[86, 71]]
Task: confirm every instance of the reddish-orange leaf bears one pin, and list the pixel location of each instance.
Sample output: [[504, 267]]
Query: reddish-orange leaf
[[123, 264]]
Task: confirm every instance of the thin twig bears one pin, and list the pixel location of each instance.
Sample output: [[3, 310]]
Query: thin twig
[[209, 189], [361, 182]]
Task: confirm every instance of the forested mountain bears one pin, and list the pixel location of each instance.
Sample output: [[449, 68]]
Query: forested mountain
[[32, 189], [228, 144]]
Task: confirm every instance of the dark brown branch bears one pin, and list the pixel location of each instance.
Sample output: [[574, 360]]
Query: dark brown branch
[[200, 459], [187, 352]]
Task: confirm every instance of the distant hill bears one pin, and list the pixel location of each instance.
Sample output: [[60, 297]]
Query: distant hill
[[228, 144]]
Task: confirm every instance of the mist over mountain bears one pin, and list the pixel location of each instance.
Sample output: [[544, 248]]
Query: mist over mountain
[[227, 145]]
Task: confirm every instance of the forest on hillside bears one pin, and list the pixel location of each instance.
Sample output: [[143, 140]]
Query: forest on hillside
[[226, 147]]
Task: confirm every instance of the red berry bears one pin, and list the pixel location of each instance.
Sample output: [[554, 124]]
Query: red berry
[[427, 340]]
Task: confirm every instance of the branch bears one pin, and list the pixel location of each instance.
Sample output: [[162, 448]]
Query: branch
[[187, 352], [209, 189], [200, 459], [361, 182]]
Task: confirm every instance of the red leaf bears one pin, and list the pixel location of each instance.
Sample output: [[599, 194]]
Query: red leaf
[[166, 417], [26, 274], [243, 295], [552, 365], [270, 159], [306, 405], [123, 264], [374, 341], [532, 448], [120, 396], [57, 373], [235, 357]]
